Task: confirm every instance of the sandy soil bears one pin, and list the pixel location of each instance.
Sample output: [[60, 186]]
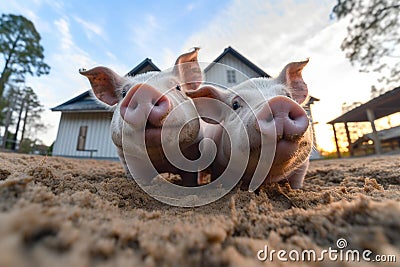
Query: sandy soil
[[68, 212]]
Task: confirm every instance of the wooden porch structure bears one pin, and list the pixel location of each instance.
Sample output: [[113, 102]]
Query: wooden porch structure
[[381, 106]]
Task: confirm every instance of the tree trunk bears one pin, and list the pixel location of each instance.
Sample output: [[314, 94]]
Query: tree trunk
[[13, 145], [24, 126], [5, 75], [8, 121], [7, 124]]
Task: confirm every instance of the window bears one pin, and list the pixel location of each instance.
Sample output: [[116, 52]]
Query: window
[[231, 76], [82, 138]]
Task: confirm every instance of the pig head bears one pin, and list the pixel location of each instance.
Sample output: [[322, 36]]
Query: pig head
[[273, 119], [141, 105]]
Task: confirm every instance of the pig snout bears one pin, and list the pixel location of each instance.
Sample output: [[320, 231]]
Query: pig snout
[[291, 121], [144, 105]]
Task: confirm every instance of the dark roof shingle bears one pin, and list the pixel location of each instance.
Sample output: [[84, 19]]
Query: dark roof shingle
[[83, 102]]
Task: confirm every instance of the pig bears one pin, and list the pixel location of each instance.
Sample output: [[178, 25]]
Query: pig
[[276, 127], [140, 107]]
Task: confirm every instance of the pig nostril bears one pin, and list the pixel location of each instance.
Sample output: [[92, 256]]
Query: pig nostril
[[158, 102], [295, 115]]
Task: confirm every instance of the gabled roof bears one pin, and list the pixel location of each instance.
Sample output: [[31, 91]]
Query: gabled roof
[[145, 64], [311, 101], [383, 106], [83, 102], [236, 54], [87, 102]]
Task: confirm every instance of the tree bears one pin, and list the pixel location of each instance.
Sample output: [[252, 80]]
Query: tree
[[21, 49], [32, 112], [373, 35], [25, 105], [30, 146], [8, 107]]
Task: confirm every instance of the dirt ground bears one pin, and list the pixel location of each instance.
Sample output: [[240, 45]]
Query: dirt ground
[[68, 212]]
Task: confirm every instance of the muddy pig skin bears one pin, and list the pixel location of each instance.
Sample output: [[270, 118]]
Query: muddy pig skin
[[269, 108], [142, 103]]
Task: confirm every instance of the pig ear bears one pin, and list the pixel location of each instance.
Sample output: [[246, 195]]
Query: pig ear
[[205, 108], [188, 70], [291, 76], [104, 83]]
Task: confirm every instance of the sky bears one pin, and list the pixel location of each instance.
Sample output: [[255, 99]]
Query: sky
[[120, 34]]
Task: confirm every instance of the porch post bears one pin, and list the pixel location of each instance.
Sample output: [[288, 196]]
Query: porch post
[[377, 142], [336, 141], [348, 139]]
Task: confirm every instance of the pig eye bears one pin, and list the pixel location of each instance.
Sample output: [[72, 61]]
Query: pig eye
[[178, 87], [123, 93], [235, 105]]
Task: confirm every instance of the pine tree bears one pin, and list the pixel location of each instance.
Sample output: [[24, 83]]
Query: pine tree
[[21, 49]]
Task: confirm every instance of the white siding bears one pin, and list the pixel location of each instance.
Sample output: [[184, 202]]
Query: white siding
[[217, 73], [98, 135]]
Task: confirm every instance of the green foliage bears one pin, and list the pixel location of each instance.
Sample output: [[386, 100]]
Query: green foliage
[[373, 35], [23, 109], [29, 146], [21, 50], [50, 149]]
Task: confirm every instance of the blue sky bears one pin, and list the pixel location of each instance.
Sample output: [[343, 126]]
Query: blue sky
[[127, 31], [120, 34]]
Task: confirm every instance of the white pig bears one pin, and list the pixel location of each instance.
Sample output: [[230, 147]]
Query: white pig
[[269, 109], [141, 105]]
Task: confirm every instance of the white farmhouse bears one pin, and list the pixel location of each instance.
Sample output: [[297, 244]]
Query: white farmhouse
[[84, 129]]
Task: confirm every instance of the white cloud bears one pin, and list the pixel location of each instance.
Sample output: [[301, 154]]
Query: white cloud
[[62, 26], [111, 55], [28, 11], [168, 59], [269, 34], [145, 34], [90, 28]]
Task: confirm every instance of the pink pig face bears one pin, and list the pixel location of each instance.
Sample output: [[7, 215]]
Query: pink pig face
[[142, 104], [271, 111]]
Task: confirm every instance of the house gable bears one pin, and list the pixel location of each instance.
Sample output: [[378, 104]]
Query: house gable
[[143, 67], [233, 68]]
